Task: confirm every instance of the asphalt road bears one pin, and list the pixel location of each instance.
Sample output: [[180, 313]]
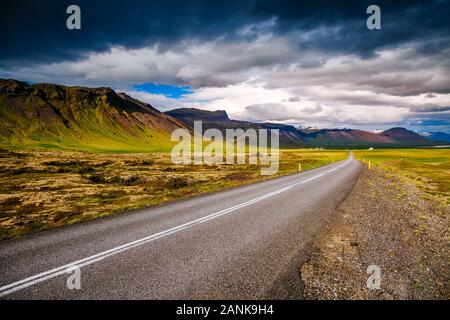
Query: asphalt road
[[244, 243]]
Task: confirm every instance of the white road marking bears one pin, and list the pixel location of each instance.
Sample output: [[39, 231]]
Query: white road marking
[[43, 276]]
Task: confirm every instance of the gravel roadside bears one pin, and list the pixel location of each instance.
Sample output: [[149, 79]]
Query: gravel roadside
[[385, 223]]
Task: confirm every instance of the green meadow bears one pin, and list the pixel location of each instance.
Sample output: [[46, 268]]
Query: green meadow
[[428, 168]]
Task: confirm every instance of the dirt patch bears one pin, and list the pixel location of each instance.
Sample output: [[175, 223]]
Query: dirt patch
[[238, 176], [385, 222], [177, 182]]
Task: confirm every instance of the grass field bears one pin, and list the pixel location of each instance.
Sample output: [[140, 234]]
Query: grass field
[[45, 189], [428, 168]]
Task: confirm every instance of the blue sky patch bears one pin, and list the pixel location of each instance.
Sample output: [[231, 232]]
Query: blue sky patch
[[170, 91]]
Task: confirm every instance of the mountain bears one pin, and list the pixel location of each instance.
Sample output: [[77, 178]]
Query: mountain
[[56, 116], [100, 119], [343, 137], [404, 135], [436, 136], [298, 137], [188, 115], [289, 135]]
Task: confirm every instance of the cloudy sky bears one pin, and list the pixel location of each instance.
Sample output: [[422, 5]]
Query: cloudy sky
[[309, 63]]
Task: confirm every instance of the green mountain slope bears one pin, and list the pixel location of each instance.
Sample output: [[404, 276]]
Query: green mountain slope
[[91, 119]]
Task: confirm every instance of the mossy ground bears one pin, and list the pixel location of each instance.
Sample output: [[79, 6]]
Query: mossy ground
[[49, 188]]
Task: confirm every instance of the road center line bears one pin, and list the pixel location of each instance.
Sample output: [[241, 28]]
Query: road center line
[[43, 276]]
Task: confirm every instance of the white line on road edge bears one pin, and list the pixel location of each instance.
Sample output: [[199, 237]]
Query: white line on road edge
[[43, 276]]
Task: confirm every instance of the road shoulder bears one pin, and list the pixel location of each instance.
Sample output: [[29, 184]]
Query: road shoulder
[[387, 223]]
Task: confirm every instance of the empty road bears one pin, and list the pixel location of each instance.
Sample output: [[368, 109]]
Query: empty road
[[243, 243]]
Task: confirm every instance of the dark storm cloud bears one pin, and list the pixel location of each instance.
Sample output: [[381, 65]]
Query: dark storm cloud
[[402, 21], [35, 31], [291, 61], [433, 109]]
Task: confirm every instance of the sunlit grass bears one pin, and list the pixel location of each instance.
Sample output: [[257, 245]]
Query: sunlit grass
[[428, 168]]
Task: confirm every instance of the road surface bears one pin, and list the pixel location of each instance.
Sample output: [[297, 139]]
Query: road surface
[[243, 243]]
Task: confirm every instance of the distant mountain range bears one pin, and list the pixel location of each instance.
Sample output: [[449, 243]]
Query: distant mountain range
[[55, 116], [291, 136]]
